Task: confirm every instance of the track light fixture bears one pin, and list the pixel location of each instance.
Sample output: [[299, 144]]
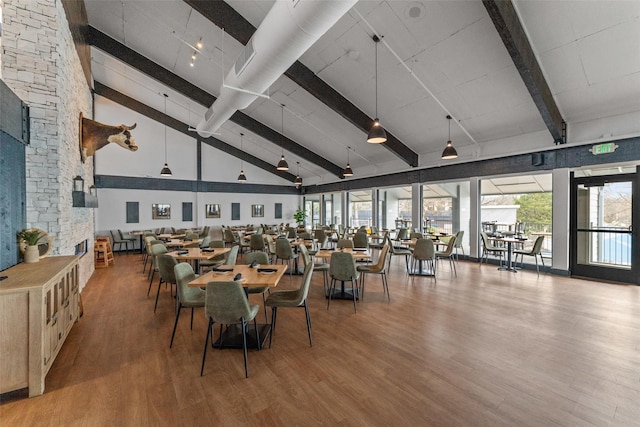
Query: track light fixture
[[449, 152], [377, 134], [282, 164], [348, 171], [165, 170]]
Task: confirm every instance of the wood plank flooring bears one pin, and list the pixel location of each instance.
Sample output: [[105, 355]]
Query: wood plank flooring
[[486, 348]]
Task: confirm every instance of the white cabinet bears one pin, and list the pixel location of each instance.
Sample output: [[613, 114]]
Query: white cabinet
[[39, 303]]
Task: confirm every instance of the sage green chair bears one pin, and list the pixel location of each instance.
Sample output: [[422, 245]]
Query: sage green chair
[[343, 268], [305, 235], [415, 235], [256, 242], [377, 268], [292, 298], [156, 249], [361, 240], [117, 239], [344, 243], [284, 251], [205, 231], [399, 251], [232, 256], [489, 248], [261, 258], [424, 252], [226, 304], [166, 263], [448, 253], [205, 242], [216, 261], [458, 244], [128, 238], [403, 234], [270, 246], [535, 251], [229, 238], [188, 297]]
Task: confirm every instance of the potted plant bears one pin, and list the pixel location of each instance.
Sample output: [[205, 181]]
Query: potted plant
[[30, 238], [300, 215]]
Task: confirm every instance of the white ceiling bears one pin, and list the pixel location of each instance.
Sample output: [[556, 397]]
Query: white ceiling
[[589, 52]]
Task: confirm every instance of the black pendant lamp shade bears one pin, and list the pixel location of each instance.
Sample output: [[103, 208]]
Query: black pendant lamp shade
[[449, 152], [165, 170], [348, 171], [282, 164], [298, 180], [241, 178], [377, 134]]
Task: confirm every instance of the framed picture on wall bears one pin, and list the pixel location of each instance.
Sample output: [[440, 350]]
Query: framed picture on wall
[[278, 211], [160, 211], [257, 211], [212, 211], [235, 211]]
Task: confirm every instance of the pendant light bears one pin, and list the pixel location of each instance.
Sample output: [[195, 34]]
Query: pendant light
[[449, 152], [348, 171], [241, 178], [165, 170], [377, 135], [298, 180], [282, 164]]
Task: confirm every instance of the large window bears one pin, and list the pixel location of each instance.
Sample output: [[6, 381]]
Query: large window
[[518, 205], [360, 208], [446, 209], [312, 206]]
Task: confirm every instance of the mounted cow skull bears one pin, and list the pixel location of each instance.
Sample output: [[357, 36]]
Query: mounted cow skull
[[94, 136]]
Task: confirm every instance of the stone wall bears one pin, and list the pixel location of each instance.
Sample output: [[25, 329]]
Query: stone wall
[[40, 64]]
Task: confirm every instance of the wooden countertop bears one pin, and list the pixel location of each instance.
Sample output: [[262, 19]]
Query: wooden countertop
[[24, 276]]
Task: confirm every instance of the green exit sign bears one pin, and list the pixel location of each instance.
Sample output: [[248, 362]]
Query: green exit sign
[[605, 148]]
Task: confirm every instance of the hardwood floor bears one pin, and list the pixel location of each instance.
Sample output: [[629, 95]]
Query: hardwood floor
[[485, 348]]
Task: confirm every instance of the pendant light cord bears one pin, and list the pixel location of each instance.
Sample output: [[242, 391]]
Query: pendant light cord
[[282, 126], [376, 76], [165, 130]]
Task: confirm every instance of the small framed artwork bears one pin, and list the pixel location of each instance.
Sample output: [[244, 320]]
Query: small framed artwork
[[160, 211], [257, 211], [212, 211]]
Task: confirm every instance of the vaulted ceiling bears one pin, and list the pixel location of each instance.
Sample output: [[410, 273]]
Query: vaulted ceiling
[[436, 58]]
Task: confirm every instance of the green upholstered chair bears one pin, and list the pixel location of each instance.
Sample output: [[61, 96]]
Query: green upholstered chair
[[205, 242], [304, 235], [424, 251], [448, 253], [147, 249], [261, 258], [166, 263], [535, 251], [128, 238], [256, 242], [361, 240], [217, 260], [458, 244], [489, 248], [232, 256], [305, 254], [116, 239], [403, 234], [188, 297], [377, 268], [284, 251], [205, 231], [229, 238], [344, 243], [226, 304], [399, 251], [270, 245], [379, 243], [415, 235], [292, 298], [156, 249], [342, 268]]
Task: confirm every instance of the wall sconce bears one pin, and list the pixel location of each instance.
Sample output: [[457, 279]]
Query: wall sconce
[[93, 190], [78, 183]]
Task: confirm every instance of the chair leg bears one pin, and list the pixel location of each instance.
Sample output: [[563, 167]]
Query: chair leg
[[244, 347], [258, 342], [206, 344], [192, 309], [175, 325], [385, 284], [354, 288], [157, 294], [273, 323], [453, 263], [306, 311], [264, 302]]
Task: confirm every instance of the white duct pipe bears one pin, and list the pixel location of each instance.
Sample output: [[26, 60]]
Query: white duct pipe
[[289, 29]]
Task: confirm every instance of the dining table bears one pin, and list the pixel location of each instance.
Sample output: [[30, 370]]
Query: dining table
[[181, 243], [259, 276], [196, 255], [510, 241], [139, 233], [358, 254]]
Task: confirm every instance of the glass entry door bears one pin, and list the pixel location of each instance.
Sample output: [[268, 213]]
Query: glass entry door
[[603, 236]]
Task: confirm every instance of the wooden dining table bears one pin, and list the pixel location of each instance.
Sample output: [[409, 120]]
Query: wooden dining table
[[179, 243], [251, 277], [195, 255], [358, 254]]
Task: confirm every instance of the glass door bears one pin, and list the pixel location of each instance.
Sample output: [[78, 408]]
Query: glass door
[[603, 236]]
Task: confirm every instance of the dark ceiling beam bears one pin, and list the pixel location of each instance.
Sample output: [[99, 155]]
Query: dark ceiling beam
[[177, 83], [234, 24], [509, 27], [145, 110]]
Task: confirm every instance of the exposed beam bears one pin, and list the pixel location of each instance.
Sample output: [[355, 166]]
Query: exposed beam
[[177, 83], [169, 121], [234, 24], [508, 25]]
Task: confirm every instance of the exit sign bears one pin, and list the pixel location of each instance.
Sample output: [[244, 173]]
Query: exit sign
[[605, 148]]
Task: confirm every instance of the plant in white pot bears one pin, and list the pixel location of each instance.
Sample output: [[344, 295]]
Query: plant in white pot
[[30, 238]]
